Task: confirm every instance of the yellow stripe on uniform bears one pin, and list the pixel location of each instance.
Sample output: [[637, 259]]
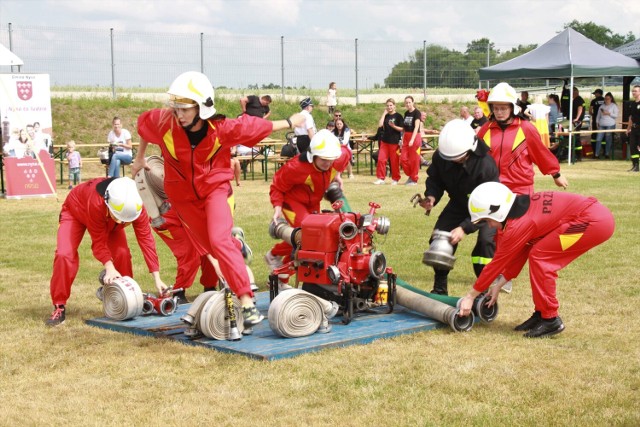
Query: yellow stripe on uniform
[[480, 260], [289, 215], [568, 240], [519, 139], [168, 142]]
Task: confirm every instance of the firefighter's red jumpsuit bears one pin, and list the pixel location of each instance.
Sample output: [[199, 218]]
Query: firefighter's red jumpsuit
[[188, 253], [410, 155], [85, 210], [197, 181], [556, 229], [516, 149], [298, 187]]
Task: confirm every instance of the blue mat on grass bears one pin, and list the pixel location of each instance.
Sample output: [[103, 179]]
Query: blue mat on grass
[[264, 344]]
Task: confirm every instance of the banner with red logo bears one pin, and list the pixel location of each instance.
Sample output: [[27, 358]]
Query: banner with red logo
[[25, 112]]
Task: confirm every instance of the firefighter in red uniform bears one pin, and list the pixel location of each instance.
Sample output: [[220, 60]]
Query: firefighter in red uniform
[[550, 229], [196, 145], [298, 187], [515, 144], [104, 207]]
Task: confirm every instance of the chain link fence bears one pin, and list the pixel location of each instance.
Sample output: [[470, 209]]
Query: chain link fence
[[105, 59]]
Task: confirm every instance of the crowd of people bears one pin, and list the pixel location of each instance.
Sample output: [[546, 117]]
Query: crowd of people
[[484, 164]]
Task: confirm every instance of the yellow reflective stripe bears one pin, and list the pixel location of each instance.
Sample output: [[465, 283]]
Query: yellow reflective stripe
[[519, 139], [480, 260], [216, 144], [309, 182], [487, 138], [289, 215], [165, 233], [168, 142]]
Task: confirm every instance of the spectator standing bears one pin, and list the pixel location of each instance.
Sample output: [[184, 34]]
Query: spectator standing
[[550, 230], [578, 116], [75, 163], [539, 114], [256, 107], [332, 97], [391, 123], [523, 103], [120, 141], [411, 143], [343, 133], [479, 119], [515, 144], [554, 111], [305, 131], [633, 129], [458, 166], [594, 106], [606, 120]]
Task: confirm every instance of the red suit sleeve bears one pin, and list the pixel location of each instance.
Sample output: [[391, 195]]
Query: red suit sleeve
[[510, 256], [289, 175], [540, 155], [245, 130], [148, 126]]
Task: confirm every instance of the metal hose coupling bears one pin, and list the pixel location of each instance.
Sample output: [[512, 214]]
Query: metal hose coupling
[[434, 309], [296, 313], [440, 252], [283, 231]]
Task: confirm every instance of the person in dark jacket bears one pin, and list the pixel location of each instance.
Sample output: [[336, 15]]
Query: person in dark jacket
[[459, 165]]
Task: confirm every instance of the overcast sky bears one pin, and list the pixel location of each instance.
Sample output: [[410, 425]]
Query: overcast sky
[[504, 22]]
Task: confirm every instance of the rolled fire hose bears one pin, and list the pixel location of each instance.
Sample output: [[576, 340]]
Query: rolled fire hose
[[150, 185], [296, 313], [434, 309], [484, 313], [122, 299], [193, 314], [208, 314]]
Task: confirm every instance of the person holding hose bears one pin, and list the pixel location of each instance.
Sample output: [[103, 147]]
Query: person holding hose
[[196, 146]]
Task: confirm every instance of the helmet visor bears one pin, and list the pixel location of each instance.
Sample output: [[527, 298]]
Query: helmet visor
[[178, 102]]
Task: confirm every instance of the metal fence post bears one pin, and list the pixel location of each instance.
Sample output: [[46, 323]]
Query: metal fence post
[[202, 53], [113, 69], [11, 47], [424, 70], [356, 71], [282, 66], [488, 59]]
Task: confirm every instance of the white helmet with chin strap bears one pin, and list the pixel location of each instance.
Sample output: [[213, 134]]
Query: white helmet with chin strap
[[490, 200], [192, 89], [504, 93], [456, 139], [325, 145], [123, 200]]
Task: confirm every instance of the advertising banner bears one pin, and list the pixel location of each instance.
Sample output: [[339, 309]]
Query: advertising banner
[[25, 111]]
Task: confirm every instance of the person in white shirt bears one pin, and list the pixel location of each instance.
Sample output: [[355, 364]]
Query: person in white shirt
[[305, 132], [606, 120], [465, 115], [120, 141], [332, 97]]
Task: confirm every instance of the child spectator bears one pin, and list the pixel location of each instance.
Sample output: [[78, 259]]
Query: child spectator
[[75, 163]]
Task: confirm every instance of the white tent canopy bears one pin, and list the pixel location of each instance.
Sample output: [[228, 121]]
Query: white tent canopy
[[9, 58]]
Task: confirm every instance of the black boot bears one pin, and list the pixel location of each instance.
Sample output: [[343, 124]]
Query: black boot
[[440, 282], [546, 328], [530, 323]]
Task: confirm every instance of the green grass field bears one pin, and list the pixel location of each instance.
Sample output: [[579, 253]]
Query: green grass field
[[80, 375]]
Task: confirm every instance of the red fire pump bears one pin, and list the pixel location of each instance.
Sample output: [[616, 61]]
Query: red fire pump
[[335, 258]]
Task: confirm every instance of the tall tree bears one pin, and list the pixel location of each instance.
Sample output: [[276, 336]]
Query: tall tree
[[600, 34]]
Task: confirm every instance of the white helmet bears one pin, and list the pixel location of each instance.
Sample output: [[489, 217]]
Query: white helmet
[[192, 89], [490, 200], [123, 200], [456, 139], [325, 145], [504, 93]]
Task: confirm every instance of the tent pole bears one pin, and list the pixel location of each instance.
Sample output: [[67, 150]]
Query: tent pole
[[570, 120]]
